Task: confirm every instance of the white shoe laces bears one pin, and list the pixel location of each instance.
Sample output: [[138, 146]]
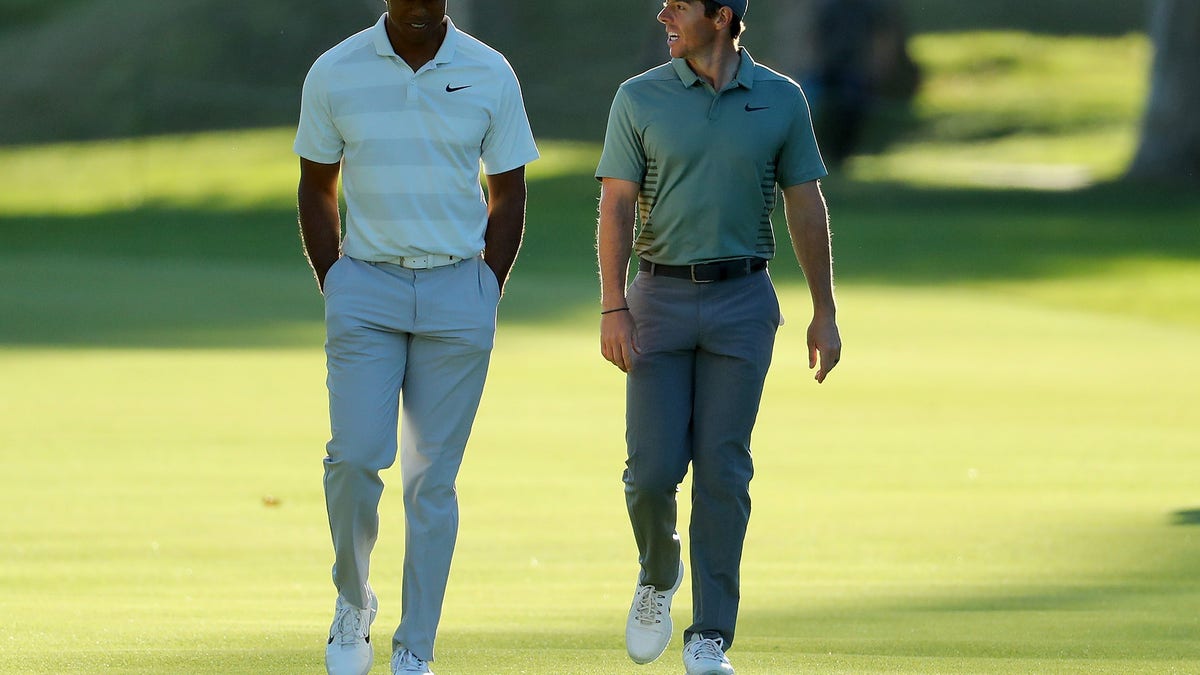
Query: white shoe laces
[[706, 649], [406, 660], [647, 607], [349, 625]]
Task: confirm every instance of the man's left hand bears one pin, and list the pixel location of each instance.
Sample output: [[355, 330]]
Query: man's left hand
[[825, 345]]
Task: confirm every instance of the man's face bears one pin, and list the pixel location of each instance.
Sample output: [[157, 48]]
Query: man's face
[[689, 32], [416, 22]]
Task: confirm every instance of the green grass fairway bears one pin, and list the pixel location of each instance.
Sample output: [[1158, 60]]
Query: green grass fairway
[[1002, 476], [985, 487]]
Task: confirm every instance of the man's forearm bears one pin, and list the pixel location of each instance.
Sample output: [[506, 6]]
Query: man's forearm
[[614, 240], [320, 230], [808, 223], [506, 222], [817, 262], [502, 240], [613, 237]]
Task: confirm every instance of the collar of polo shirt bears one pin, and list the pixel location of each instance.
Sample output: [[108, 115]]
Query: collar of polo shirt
[[445, 54], [744, 77]]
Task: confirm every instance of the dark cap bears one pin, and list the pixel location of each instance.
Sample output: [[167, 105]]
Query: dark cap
[[738, 6]]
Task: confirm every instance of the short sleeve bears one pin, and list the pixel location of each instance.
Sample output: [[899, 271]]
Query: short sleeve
[[800, 159], [508, 143], [624, 156], [317, 137]]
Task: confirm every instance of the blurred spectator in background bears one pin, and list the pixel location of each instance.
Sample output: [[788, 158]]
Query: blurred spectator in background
[[859, 60]]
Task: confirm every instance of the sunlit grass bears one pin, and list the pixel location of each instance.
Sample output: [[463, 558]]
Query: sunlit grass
[[982, 85], [214, 169], [563, 158], [958, 498], [1019, 110], [1059, 161], [1156, 290], [219, 169]]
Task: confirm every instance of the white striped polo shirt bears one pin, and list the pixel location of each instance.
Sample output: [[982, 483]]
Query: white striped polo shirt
[[410, 143]]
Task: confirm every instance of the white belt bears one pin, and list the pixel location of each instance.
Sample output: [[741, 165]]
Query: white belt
[[425, 262]]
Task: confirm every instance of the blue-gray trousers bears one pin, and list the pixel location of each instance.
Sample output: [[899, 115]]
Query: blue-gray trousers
[[428, 334], [692, 398]]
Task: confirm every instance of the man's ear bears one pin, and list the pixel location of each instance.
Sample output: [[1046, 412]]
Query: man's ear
[[724, 17]]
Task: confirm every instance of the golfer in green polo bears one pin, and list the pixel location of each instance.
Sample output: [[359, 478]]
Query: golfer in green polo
[[695, 155]]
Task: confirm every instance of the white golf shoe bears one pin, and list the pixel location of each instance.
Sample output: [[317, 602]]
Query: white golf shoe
[[703, 656], [648, 628], [349, 651], [405, 662]]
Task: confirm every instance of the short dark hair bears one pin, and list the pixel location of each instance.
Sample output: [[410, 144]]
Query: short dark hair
[[735, 27]]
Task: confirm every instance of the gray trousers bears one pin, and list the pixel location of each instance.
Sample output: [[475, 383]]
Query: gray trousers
[[428, 334], [692, 398]]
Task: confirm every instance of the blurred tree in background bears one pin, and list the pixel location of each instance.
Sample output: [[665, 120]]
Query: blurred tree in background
[[1170, 145]]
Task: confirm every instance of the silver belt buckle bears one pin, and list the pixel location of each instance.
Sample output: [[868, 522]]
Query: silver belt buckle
[[428, 262], [692, 271]]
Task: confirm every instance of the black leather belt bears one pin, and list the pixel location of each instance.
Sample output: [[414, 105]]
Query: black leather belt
[[704, 273]]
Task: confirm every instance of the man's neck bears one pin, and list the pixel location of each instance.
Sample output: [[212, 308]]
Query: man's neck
[[417, 55], [719, 66]]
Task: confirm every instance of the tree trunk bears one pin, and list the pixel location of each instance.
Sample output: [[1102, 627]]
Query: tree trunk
[[1170, 144]]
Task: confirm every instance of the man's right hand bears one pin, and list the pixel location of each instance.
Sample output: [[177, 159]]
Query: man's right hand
[[618, 338]]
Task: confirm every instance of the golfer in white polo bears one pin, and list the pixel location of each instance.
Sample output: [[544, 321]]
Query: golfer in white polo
[[404, 113]]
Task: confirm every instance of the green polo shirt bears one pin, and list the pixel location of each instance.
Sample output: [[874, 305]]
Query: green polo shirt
[[708, 162]]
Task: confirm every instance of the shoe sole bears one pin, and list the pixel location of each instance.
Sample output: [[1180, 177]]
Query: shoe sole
[[710, 670]]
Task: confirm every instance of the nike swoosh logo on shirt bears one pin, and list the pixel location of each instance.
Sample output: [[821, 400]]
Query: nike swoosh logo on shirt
[[451, 90], [750, 108]]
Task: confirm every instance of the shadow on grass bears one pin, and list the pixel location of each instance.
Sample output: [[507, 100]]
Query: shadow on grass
[[1140, 609], [1089, 623], [1136, 621], [208, 659], [193, 277], [1186, 517]]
